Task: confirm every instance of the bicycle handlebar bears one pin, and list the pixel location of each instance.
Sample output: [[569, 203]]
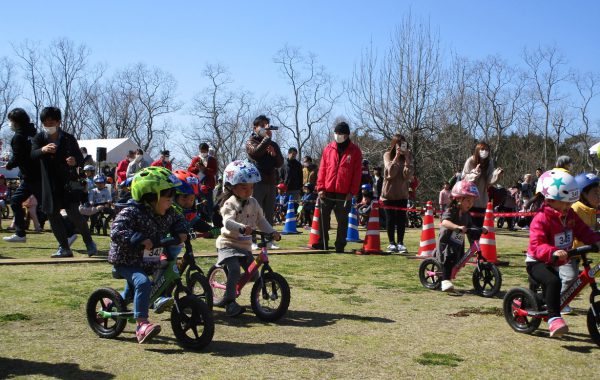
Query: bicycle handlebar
[[269, 236], [582, 250]]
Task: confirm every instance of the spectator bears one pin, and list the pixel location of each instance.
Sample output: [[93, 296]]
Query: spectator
[[3, 195], [205, 167], [59, 155], [413, 184], [455, 178], [163, 160], [509, 204], [267, 157], [527, 187], [309, 200], [338, 180], [122, 166], [29, 169], [538, 173], [479, 168], [398, 169], [309, 172], [377, 182], [87, 158], [565, 163], [291, 174], [137, 164], [445, 197], [365, 173]]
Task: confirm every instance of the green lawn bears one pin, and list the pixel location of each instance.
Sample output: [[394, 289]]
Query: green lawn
[[351, 317]]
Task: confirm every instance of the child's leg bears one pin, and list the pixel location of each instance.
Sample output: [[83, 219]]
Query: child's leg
[[141, 288], [34, 218], [233, 276], [550, 280], [568, 273]]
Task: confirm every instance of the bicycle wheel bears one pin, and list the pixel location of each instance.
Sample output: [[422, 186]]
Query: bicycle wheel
[[500, 223], [593, 322], [105, 299], [192, 323], [200, 287], [430, 273], [487, 283], [418, 222], [270, 297], [521, 299], [217, 279]]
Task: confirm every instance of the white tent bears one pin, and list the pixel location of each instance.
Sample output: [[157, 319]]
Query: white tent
[[595, 148], [116, 149]]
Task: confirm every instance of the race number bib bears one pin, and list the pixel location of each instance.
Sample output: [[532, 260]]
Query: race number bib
[[153, 255], [457, 237], [564, 240]]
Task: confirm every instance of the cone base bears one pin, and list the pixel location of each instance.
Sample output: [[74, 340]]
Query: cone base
[[355, 241], [363, 252], [290, 233]]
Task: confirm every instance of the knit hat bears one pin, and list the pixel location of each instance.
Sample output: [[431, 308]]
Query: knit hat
[[342, 128]]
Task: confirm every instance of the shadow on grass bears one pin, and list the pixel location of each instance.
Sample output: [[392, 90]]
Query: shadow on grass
[[299, 318], [18, 367]]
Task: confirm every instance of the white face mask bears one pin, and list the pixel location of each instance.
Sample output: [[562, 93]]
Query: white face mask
[[12, 126], [484, 154], [403, 146], [262, 132], [137, 158], [51, 130], [203, 155], [340, 138]]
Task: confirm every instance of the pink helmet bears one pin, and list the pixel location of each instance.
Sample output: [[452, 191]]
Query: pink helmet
[[465, 189]]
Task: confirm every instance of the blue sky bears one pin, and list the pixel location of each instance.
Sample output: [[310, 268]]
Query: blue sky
[[182, 36]]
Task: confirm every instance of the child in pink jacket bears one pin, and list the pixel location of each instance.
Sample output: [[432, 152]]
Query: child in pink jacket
[[552, 233]]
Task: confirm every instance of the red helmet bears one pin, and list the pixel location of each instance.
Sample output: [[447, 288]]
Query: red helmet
[[465, 189], [282, 186], [204, 189], [189, 178]]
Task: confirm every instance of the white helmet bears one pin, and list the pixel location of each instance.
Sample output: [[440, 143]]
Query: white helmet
[[558, 185], [240, 172]]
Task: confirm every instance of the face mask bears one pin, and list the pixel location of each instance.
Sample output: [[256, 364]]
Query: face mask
[[403, 146], [12, 126], [130, 159], [262, 132], [167, 159], [137, 158], [484, 154], [51, 130], [203, 155], [339, 138]]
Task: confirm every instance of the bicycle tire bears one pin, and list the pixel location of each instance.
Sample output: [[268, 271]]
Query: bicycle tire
[[431, 282], [106, 329], [200, 287], [593, 323], [521, 298], [217, 275], [487, 283], [270, 297], [186, 316]]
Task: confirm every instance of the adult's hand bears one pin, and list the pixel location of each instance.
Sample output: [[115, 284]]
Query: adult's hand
[[349, 196], [71, 161], [49, 148], [322, 194], [498, 171], [271, 150]]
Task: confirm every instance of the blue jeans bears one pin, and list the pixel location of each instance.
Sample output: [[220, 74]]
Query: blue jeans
[[141, 296]]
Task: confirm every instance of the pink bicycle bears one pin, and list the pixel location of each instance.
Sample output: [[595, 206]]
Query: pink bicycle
[[487, 279]]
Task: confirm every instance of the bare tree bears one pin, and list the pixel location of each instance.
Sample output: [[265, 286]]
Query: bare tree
[[588, 87], [31, 63], [9, 88], [312, 95], [546, 72]]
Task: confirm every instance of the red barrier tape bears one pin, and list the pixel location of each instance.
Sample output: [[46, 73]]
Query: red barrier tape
[[495, 214]]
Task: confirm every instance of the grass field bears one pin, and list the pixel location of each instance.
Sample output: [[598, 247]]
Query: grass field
[[351, 317]]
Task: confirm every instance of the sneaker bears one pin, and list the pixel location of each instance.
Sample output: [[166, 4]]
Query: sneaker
[[233, 309], [402, 249], [339, 249], [163, 304], [566, 310], [254, 246], [392, 248], [15, 239], [447, 286], [91, 249], [71, 239], [273, 246], [557, 327], [62, 253], [146, 331]]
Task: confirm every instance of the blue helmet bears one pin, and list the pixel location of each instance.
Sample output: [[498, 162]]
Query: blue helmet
[[99, 178], [367, 187], [586, 179]]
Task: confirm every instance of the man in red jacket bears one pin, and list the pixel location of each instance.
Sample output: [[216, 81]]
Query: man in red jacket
[[164, 160], [338, 181], [122, 166], [205, 167]]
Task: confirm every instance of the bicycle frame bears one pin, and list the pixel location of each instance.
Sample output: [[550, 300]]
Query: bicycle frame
[[474, 250]]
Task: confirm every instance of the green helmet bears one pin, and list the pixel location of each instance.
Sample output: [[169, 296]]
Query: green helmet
[[152, 180]]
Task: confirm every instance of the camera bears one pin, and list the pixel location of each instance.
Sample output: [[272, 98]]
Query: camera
[[272, 128]]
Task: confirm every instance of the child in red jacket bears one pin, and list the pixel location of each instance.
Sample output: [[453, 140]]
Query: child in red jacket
[[552, 232]]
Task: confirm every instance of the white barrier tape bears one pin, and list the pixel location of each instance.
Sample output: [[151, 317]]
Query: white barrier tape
[[373, 232], [373, 220], [315, 232], [426, 242], [429, 226], [352, 226]]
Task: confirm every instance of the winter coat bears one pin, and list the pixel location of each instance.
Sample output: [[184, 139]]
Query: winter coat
[[267, 165], [21, 153], [309, 174], [291, 174], [395, 182], [135, 166], [547, 234], [161, 163], [122, 170], [136, 223], [61, 184], [588, 215], [482, 180], [210, 170], [340, 174], [238, 214]]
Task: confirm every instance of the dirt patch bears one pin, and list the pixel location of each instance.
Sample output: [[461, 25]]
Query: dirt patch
[[496, 311]]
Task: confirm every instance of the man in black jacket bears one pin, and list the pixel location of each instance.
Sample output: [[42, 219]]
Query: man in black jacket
[[29, 169], [62, 188], [291, 174]]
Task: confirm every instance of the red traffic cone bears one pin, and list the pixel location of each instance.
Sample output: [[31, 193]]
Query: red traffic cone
[[313, 238], [488, 241], [428, 243], [372, 243]]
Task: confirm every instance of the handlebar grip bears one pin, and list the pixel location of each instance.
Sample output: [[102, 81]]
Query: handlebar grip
[[167, 242]]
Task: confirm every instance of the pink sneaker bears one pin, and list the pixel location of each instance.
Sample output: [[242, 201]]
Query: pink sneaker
[[557, 327], [146, 331]]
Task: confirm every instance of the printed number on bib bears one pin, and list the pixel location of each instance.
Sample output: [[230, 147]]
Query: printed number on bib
[[151, 256], [457, 237], [564, 240]]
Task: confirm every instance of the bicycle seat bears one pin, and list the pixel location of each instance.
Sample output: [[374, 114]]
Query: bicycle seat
[[116, 275]]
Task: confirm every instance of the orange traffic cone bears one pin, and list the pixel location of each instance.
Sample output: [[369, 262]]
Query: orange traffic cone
[[313, 238], [372, 243], [428, 243], [488, 241]]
